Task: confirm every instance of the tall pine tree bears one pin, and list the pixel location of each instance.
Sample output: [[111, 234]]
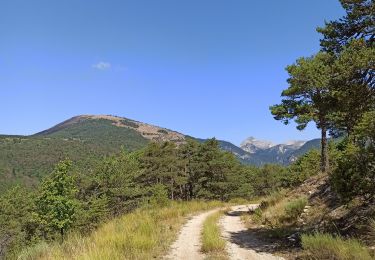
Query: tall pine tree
[[308, 97]]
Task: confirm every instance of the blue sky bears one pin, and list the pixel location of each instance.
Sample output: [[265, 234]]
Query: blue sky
[[202, 67]]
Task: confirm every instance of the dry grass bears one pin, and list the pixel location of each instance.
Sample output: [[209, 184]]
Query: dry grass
[[273, 198], [144, 234], [284, 211], [325, 246], [212, 242]]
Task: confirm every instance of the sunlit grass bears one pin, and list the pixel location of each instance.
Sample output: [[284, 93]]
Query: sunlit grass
[[294, 208], [325, 246], [212, 242], [280, 212], [273, 198], [144, 234]]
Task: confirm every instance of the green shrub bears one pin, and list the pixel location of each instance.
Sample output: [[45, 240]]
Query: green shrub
[[159, 196], [257, 215], [325, 246], [355, 171], [283, 212], [294, 208], [305, 166], [146, 233]]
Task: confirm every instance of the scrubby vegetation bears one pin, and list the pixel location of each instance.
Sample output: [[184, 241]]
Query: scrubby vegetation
[[293, 209], [76, 201], [278, 210], [123, 182], [355, 172], [145, 233]]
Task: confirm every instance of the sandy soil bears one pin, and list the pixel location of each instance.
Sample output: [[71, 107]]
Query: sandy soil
[[242, 244]]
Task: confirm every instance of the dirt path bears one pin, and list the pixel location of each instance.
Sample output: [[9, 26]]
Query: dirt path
[[188, 245], [241, 244]]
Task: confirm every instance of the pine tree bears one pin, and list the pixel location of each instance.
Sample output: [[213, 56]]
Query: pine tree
[[161, 165], [309, 97], [353, 93], [187, 179], [358, 23], [114, 181]]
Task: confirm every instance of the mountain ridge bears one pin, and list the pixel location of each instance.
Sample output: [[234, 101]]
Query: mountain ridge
[[148, 131], [86, 138]]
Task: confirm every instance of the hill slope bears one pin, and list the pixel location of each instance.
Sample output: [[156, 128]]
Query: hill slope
[[83, 139], [86, 138], [113, 127]]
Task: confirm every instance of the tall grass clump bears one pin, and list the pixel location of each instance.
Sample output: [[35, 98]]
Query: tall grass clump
[[212, 242], [145, 233], [326, 246], [294, 208], [284, 211], [238, 201], [35, 252], [267, 202], [272, 199], [257, 216]]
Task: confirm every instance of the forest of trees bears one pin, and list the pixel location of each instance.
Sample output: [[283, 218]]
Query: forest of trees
[[71, 200]]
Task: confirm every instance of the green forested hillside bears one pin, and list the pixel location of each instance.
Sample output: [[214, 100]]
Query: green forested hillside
[[25, 159], [101, 131], [85, 140], [70, 200]]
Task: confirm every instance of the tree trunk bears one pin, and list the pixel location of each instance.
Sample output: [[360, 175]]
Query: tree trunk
[[172, 193], [62, 234], [324, 162], [190, 191]]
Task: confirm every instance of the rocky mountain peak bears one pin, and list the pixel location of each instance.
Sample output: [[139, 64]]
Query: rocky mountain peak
[[252, 144]]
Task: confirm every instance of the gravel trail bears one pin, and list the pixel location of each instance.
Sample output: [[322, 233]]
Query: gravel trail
[[241, 243], [188, 244]]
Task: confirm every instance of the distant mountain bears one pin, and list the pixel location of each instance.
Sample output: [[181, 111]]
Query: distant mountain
[[260, 152], [93, 126], [307, 146], [85, 138], [241, 154], [253, 145]]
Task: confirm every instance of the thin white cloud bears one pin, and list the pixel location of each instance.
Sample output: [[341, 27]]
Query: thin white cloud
[[102, 65]]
